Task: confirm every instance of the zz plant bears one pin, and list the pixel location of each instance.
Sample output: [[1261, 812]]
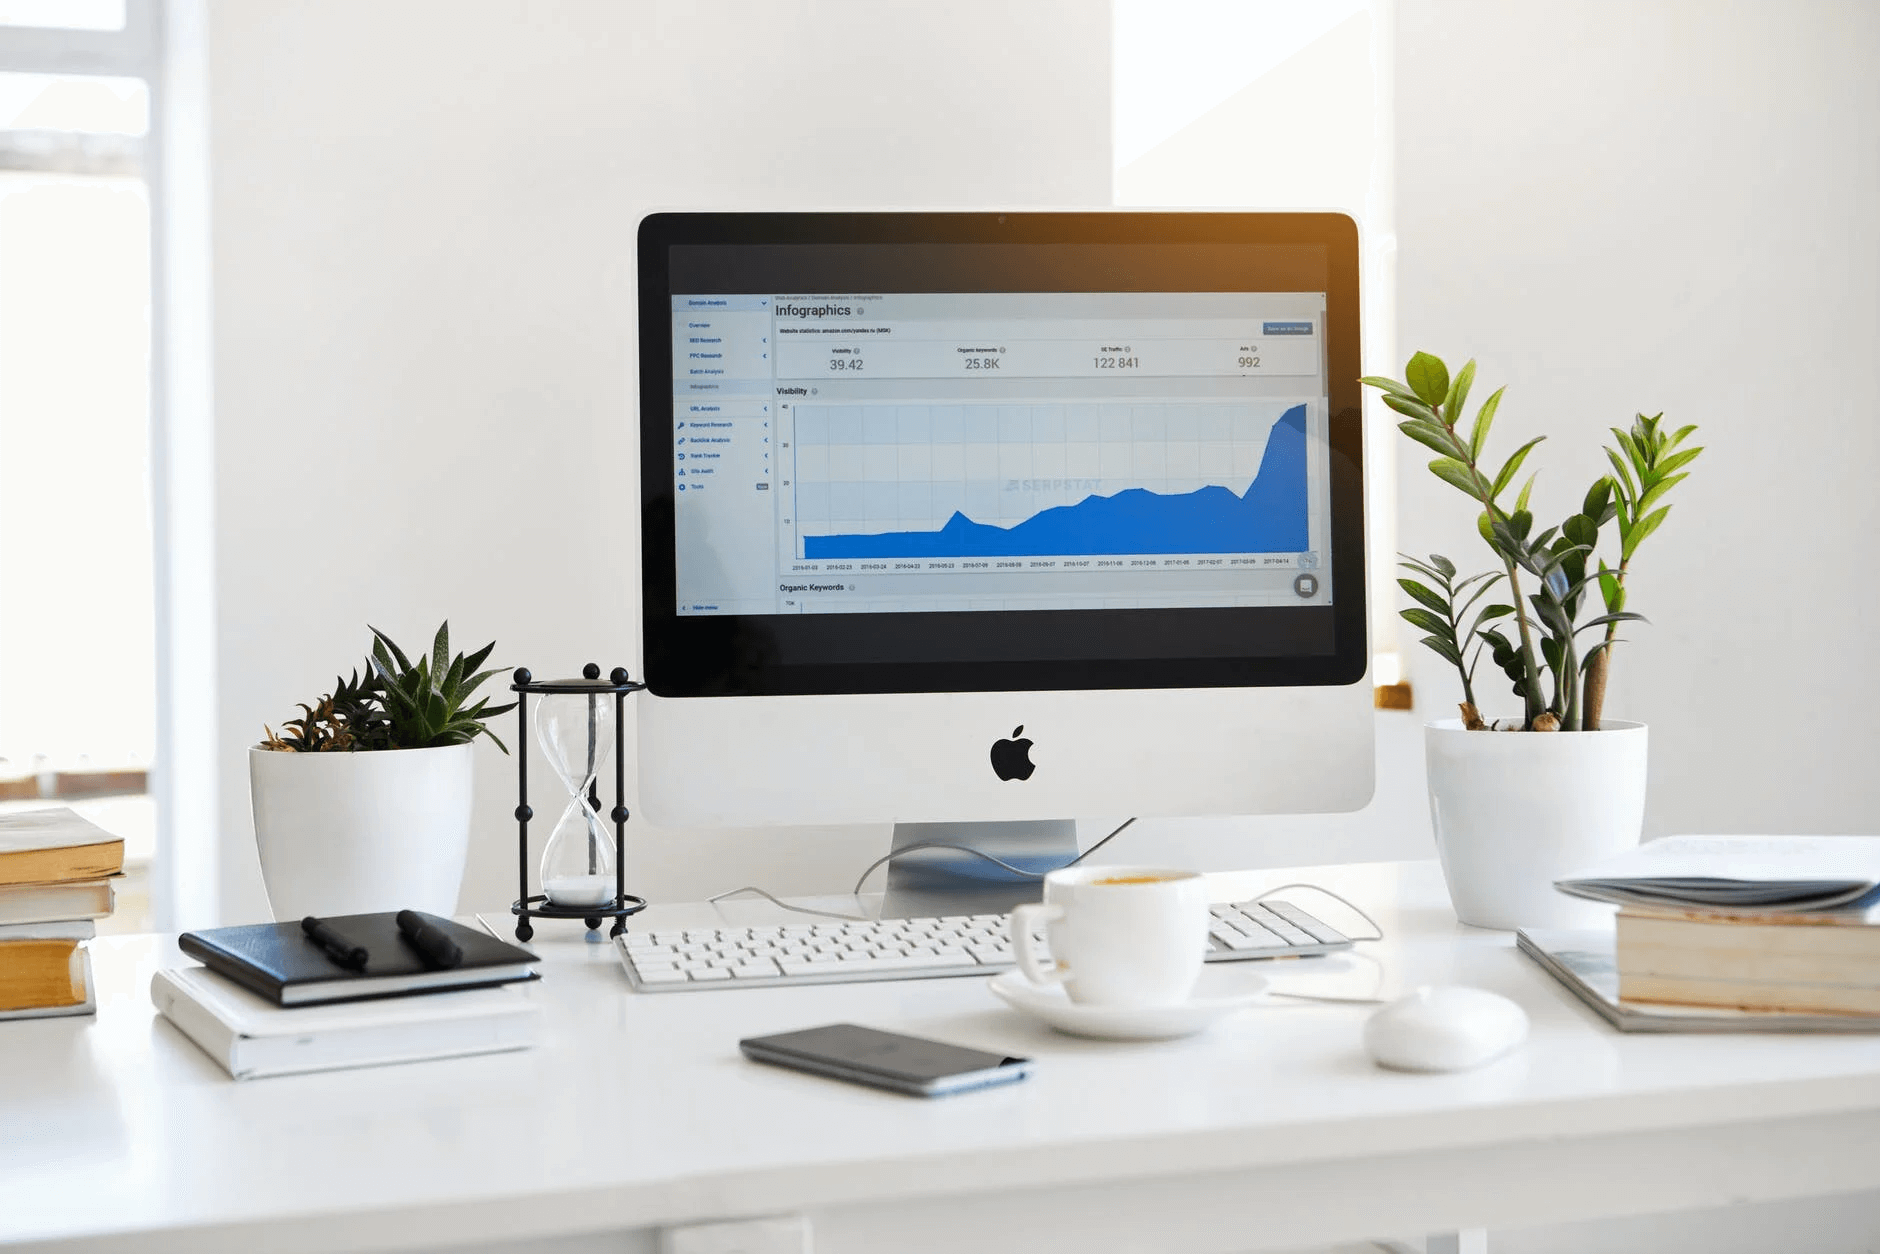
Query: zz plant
[[1562, 685], [398, 705]]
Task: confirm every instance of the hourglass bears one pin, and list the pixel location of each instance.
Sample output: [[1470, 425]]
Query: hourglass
[[582, 871]]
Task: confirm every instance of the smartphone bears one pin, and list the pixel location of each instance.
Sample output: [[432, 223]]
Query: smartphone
[[886, 1060]]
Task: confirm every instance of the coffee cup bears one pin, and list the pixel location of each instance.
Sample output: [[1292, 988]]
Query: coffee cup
[[1119, 936]]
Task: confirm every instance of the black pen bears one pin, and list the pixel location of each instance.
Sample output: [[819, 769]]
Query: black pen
[[439, 950], [338, 948]]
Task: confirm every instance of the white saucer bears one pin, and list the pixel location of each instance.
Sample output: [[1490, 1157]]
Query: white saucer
[[1129, 1023]]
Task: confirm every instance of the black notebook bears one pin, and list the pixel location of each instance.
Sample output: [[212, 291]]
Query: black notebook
[[279, 961]]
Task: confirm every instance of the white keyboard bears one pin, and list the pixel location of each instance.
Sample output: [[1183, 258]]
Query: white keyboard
[[835, 952]]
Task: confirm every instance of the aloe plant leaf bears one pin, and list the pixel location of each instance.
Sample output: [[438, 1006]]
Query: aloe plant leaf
[[471, 663], [404, 663], [440, 649]]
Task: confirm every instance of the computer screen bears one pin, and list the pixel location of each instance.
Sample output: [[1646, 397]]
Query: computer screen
[[936, 453], [1089, 481], [863, 452]]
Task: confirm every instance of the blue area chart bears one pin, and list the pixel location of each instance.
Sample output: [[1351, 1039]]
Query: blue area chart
[[1269, 517]]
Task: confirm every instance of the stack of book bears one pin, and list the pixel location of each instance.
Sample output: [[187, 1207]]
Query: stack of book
[[1747, 925], [360, 990], [55, 882]]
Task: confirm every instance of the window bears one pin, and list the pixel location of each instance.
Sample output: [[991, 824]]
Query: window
[[77, 618]]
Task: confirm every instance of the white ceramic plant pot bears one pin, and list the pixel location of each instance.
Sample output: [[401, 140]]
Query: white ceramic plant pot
[[1515, 811], [356, 833]]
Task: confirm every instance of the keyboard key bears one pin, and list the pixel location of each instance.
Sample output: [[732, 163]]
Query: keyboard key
[[711, 974], [664, 977], [1306, 923], [756, 970]]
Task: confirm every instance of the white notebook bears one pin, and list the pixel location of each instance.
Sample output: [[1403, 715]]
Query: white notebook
[[251, 1037]]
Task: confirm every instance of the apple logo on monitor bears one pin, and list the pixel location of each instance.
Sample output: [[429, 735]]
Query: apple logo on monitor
[[1011, 759]]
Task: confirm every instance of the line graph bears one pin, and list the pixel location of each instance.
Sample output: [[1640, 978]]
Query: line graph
[[1188, 477]]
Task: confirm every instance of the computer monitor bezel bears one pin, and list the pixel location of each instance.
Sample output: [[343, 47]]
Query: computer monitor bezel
[[992, 651]]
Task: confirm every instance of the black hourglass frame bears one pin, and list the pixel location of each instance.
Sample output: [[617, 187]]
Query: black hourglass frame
[[591, 684]]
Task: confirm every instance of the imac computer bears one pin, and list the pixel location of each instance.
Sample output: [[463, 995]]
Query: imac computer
[[977, 523]]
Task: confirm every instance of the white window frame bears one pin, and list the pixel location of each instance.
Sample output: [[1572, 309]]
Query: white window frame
[[161, 43]]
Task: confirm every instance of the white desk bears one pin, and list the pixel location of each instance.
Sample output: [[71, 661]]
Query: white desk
[[637, 1112]]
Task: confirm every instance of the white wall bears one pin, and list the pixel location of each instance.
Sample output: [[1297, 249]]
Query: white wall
[[1671, 206], [424, 368]]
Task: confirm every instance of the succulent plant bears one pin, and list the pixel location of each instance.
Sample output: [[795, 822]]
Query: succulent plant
[[396, 705], [425, 704], [347, 718]]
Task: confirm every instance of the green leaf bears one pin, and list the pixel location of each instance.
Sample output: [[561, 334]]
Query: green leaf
[[1676, 460], [1506, 474], [1598, 503], [1390, 386], [1423, 594], [1527, 490], [1486, 527], [1443, 564], [1633, 451], [1658, 490], [1603, 619], [1428, 377], [1443, 649], [1432, 436], [1579, 529], [1627, 490], [1678, 437], [1484, 418], [404, 663], [1411, 407], [476, 659], [440, 649], [1435, 624], [1453, 472], [1458, 398], [1645, 527]]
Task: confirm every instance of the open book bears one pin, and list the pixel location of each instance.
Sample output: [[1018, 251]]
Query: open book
[[1739, 873]]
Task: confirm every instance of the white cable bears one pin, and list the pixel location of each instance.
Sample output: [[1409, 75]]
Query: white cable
[[1375, 925], [752, 888], [980, 853]]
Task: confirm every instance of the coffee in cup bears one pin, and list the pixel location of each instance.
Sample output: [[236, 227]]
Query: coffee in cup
[[1119, 936]]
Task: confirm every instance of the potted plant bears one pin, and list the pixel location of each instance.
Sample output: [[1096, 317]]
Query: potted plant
[[1564, 787], [362, 804]]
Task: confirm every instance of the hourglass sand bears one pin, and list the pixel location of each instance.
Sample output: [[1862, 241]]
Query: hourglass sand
[[581, 872]]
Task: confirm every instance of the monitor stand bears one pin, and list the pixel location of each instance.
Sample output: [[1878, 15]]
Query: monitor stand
[[926, 883]]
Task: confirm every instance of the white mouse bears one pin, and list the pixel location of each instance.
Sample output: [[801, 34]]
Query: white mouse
[[1445, 1028]]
